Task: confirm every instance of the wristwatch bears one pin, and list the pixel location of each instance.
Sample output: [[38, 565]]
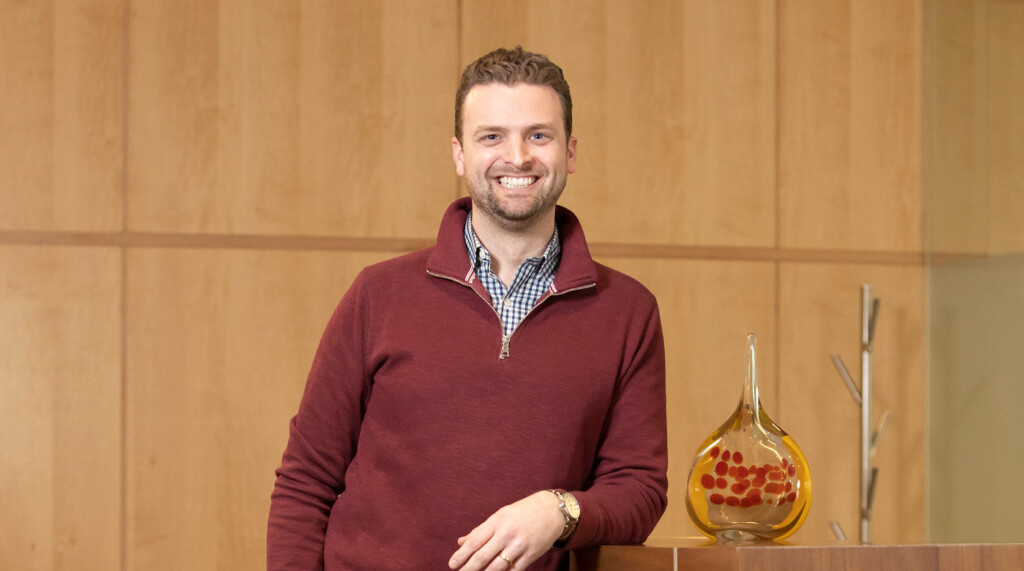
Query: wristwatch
[[570, 509]]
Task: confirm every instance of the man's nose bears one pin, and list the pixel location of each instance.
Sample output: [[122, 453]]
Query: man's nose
[[517, 153]]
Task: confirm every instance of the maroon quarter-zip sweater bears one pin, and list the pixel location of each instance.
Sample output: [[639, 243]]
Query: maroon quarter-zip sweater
[[412, 431]]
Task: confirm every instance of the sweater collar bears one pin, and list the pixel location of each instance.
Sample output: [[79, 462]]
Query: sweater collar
[[449, 258]]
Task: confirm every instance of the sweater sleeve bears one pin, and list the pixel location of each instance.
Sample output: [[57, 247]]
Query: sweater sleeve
[[322, 440], [627, 496]]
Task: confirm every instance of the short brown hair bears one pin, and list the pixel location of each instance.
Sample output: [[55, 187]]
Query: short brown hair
[[512, 67]]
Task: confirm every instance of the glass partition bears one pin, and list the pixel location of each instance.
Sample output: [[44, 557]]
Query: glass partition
[[974, 224]]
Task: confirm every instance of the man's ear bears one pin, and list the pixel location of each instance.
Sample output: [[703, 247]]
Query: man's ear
[[457, 157], [570, 153]]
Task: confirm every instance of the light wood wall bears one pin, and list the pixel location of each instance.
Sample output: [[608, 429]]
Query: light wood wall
[[188, 189], [974, 136]]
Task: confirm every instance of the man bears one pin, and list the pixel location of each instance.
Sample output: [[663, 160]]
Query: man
[[493, 400]]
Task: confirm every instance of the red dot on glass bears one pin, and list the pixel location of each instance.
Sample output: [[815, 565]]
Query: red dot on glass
[[789, 486], [717, 499], [721, 468], [721, 483], [732, 471], [737, 457], [742, 471], [714, 452], [759, 482], [708, 481], [791, 470], [737, 488], [745, 502], [785, 462], [732, 501], [726, 454], [791, 497]]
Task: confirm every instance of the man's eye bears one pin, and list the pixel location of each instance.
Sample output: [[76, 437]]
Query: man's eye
[[489, 137], [539, 136]]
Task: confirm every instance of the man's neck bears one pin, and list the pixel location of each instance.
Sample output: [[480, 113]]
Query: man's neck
[[509, 248]]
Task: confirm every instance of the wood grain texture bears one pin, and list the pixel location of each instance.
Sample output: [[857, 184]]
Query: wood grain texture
[[707, 309], [60, 408], [323, 118], [974, 133], [61, 115], [956, 212], [1005, 123], [977, 556], [685, 553], [866, 558], [820, 315], [849, 124], [674, 109], [218, 347]]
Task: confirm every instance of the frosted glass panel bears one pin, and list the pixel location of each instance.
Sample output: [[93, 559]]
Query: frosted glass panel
[[977, 397]]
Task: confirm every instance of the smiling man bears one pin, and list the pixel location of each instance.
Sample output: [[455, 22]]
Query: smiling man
[[491, 401]]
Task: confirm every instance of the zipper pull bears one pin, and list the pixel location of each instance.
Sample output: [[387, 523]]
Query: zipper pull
[[504, 346]]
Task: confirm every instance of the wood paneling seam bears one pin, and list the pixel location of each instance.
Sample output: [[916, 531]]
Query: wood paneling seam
[[338, 243]]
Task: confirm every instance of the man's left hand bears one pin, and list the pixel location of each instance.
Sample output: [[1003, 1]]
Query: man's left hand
[[513, 537]]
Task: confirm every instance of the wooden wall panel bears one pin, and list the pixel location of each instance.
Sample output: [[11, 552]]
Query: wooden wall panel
[[60, 408], [849, 124], [218, 346], [326, 118], [1005, 122], [674, 108], [707, 310], [323, 118], [974, 133], [61, 115], [820, 315], [956, 205]]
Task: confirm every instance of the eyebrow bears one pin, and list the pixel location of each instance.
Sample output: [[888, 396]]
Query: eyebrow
[[501, 129]]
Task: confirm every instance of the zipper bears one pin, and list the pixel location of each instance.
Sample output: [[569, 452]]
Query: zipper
[[506, 339]]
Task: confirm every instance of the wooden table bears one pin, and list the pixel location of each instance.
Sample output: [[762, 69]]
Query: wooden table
[[684, 554]]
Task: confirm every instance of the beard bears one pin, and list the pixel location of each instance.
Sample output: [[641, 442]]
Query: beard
[[515, 214]]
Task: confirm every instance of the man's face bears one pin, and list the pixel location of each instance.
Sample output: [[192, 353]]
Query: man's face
[[514, 153]]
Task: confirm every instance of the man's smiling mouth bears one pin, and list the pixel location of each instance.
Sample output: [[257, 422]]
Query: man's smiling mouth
[[516, 182]]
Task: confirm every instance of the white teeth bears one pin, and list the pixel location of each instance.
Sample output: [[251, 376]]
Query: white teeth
[[516, 181]]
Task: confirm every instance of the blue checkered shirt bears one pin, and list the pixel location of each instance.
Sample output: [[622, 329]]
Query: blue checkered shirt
[[533, 278]]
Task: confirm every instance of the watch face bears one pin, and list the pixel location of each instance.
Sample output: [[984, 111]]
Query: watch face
[[571, 505]]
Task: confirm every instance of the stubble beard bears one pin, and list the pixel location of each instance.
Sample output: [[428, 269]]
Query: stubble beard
[[513, 217]]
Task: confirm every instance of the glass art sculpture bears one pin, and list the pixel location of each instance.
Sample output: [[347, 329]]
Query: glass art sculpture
[[749, 480]]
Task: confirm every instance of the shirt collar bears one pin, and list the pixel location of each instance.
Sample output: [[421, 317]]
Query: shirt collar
[[478, 253]]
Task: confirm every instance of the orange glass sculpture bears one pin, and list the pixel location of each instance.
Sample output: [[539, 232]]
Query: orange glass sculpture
[[749, 479]]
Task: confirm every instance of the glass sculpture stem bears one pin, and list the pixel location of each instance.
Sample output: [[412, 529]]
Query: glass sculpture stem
[[866, 475], [750, 388]]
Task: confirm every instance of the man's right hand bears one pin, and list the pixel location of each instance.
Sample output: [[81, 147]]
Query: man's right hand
[[513, 537]]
